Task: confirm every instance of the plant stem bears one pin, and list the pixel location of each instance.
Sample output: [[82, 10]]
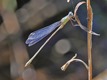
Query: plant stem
[[89, 39]]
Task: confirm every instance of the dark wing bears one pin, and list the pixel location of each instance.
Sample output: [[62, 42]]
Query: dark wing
[[38, 35]]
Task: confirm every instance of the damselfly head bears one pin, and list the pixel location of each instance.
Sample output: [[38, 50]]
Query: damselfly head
[[70, 14]]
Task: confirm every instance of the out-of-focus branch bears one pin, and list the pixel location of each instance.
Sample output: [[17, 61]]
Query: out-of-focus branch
[[101, 76]]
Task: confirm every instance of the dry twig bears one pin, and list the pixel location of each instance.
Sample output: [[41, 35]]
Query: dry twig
[[89, 39]]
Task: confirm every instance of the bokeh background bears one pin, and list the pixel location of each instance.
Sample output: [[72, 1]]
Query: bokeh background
[[31, 15]]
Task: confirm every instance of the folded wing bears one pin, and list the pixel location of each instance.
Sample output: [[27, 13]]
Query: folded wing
[[38, 35]]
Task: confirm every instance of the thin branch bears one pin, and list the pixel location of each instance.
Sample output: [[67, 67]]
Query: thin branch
[[65, 66], [89, 39], [78, 21], [79, 60]]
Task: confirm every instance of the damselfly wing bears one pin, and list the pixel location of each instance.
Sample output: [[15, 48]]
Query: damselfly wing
[[38, 35]]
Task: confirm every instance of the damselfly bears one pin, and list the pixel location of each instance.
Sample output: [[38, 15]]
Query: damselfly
[[38, 35]]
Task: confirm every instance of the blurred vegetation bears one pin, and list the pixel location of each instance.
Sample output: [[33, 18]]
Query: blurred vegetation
[[33, 14], [9, 5]]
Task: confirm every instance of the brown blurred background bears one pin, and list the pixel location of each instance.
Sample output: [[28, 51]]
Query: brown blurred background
[[30, 15]]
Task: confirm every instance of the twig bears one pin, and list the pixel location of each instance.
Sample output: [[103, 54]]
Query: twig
[[78, 21], [89, 39], [64, 67]]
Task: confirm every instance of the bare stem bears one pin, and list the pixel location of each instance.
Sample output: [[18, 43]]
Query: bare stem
[[64, 67], [89, 39]]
